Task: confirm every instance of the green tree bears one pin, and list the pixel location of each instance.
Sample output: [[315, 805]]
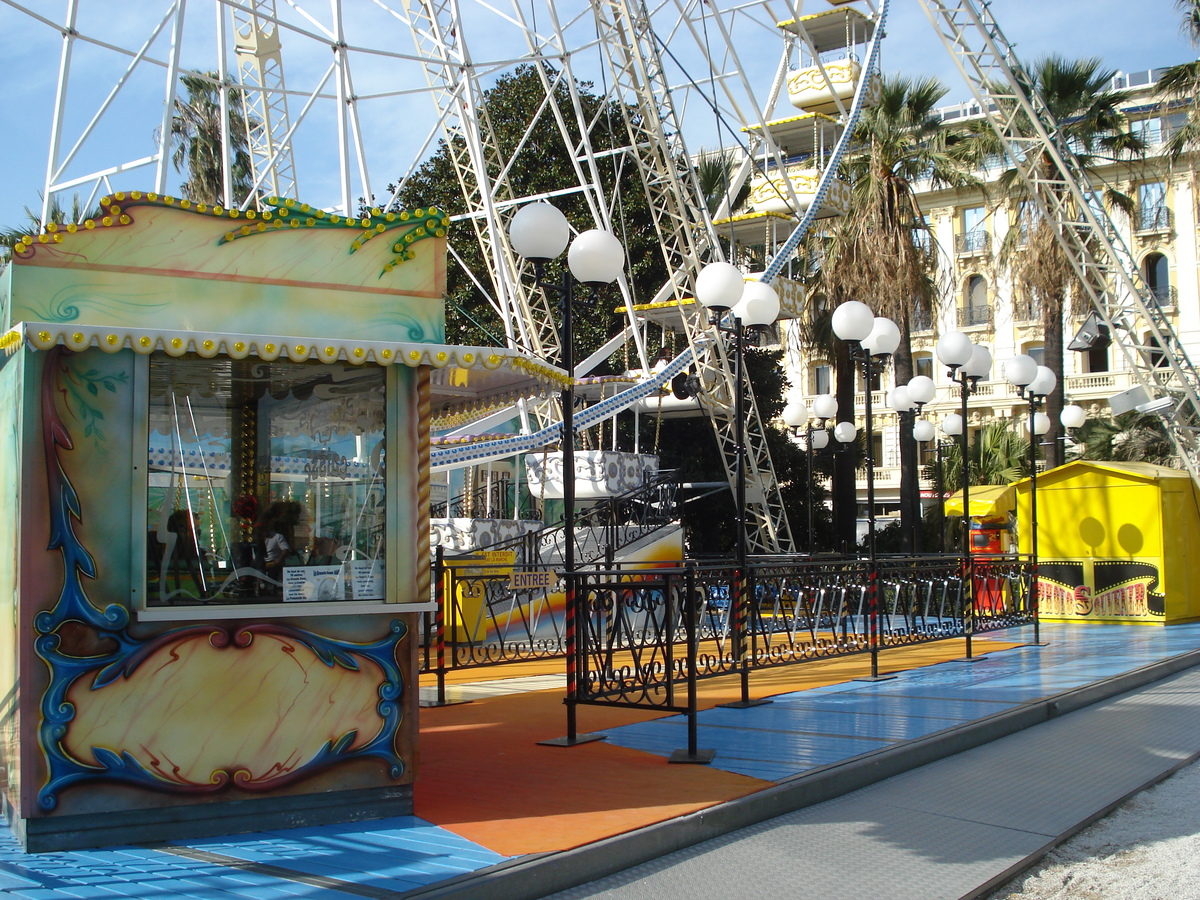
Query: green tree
[[34, 224], [538, 163], [196, 137], [998, 455], [714, 171], [1179, 85], [1076, 94], [1132, 437]]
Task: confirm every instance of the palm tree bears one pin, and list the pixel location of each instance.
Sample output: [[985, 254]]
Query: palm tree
[[1132, 437], [882, 252], [34, 224], [1180, 85], [714, 171], [196, 133], [1076, 94]]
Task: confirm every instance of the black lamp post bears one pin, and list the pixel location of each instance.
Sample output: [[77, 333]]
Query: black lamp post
[[907, 400], [922, 432], [968, 364], [1034, 383], [751, 306], [539, 232], [872, 339]]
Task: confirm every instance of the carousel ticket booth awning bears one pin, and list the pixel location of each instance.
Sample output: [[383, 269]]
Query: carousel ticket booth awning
[[217, 479]]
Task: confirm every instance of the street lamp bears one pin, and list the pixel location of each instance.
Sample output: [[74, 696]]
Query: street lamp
[[968, 364], [1072, 418], [1033, 382], [952, 427], [921, 390], [796, 416], [723, 290], [539, 233], [872, 340]]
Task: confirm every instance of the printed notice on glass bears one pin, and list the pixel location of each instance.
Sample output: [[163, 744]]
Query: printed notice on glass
[[313, 584], [366, 578]]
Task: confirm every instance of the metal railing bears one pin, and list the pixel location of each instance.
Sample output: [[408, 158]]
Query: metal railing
[[495, 499], [972, 242], [1153, 218], [1166, 295], [969, 316], [633, 625]]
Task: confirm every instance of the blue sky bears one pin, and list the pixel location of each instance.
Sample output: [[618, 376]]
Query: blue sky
[[1129, 35]]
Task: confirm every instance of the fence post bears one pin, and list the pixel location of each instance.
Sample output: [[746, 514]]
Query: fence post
[[692, 754], [439, 620]]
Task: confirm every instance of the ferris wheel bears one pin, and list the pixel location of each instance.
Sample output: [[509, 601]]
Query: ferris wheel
[[335, 101]]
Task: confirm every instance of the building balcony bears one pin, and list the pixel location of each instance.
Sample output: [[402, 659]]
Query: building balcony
[[1167, 296], [974, 316], [1153, 219], [972, 243]]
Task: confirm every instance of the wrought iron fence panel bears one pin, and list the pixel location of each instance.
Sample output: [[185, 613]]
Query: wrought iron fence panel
[[634, 645], [1002, 592], [631, 622], [487, 621], [921, 599]]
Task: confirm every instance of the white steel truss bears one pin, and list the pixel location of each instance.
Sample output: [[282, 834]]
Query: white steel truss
[[1102, 261], [264, 96]]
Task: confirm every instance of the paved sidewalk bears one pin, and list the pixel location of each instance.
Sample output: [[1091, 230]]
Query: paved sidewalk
[[946, 829]]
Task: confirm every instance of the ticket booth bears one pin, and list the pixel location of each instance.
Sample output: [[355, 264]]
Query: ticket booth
[[1116, 543], [214, 522], [991, 509]]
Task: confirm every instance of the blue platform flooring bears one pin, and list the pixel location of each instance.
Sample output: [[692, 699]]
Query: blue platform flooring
[[795, 734], [802, 731]]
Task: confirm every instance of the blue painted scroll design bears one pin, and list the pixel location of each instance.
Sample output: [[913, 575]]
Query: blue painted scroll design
[[111, 627]]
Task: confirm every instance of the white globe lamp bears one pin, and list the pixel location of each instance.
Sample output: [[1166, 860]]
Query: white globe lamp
[[759, 305], [596, 257], [921, 389], [853, 321], [795, 414], [539, 232], [954, 349], [1072, 416], [824, 406], [719, 286]]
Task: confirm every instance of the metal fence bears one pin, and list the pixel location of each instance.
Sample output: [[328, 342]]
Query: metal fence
[[643, 636]]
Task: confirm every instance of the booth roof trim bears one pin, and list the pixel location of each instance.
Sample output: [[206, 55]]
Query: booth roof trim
[[1138, 471], [43, 336]]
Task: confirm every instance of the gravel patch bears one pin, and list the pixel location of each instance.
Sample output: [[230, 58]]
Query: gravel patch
[[1148, 849]]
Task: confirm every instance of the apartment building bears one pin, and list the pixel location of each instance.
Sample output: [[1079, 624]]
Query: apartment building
[[969, 227]]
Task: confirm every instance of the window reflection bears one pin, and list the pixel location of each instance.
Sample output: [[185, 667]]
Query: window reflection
[[264, 482]]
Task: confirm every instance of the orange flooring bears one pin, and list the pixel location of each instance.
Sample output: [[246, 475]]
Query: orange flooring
[[482, 774]]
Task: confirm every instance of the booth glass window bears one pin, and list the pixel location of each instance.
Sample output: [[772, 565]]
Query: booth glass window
[[265, 482]]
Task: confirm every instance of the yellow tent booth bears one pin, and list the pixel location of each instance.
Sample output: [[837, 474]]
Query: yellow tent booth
[[990, 508], [1113, 543]]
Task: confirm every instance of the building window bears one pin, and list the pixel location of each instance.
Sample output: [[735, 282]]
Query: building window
[[1157, 276], [1149, 130], [1097, 359], [923, 364], [822, 379], [264, 482], [974, 236], [975, 309], [1037, 351], [1152, 213]]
